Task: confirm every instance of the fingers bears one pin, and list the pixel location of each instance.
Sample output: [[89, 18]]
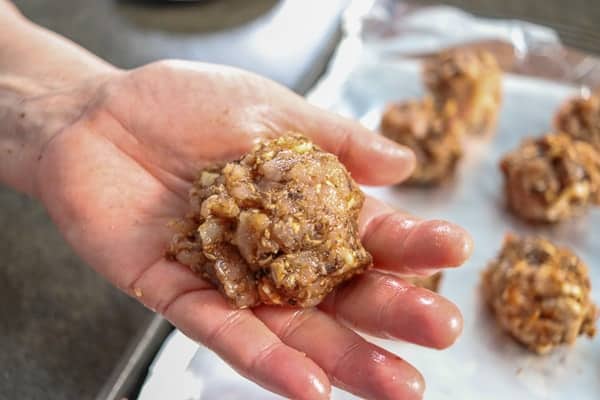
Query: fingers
[[385, 306], [352, 363], [237, 336], [402, 243], [371, 158], [163, 282]]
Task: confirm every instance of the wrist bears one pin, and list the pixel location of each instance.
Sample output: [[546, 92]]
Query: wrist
[[31, 115], [46, 83]]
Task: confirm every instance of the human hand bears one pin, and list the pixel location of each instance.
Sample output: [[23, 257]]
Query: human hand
[[114, 176]]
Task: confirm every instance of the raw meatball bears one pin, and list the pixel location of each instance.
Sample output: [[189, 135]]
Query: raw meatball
[[469, 81], [434, 137], [580, 118], [540, 293], [551, 178], [428, 282], [279, 226]]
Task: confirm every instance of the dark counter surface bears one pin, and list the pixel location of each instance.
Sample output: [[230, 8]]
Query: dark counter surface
[[62, 327]]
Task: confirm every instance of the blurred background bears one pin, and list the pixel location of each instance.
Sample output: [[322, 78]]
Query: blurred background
[[66, 334]]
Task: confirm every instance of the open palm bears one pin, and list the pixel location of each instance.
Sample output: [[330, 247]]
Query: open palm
[[113, 179]]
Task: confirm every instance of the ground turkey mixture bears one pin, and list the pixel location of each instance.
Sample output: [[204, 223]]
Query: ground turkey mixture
[[469, 81], [434, 137], [540, 293], [580, 118], [551, 178], [278, 226]]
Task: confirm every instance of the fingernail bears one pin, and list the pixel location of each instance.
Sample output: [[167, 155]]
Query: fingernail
[[464, 241], [456, 239], [468, 245], [321, 389], [400, 159], [408, 384], [390, 148]]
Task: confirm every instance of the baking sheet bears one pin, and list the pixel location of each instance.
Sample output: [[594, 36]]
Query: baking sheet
[[378, 62], [375, 64], [485, 363]]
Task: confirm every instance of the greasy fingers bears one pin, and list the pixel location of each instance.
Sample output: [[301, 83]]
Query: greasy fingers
[[352, 363], [237, 336], [371, 158], [386, 306], [402, 243]]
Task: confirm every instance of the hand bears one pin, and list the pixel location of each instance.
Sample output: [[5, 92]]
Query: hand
[[113, 178]]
